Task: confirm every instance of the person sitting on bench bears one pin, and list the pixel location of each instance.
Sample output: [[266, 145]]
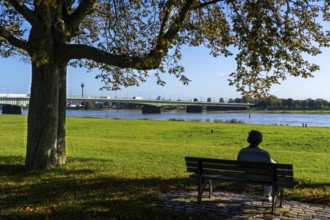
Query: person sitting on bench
[[253, 153]]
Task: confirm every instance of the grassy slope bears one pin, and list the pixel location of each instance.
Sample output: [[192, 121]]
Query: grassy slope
[[118, 167]]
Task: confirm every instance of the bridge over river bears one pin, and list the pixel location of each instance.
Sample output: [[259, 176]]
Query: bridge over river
[[148, 105]]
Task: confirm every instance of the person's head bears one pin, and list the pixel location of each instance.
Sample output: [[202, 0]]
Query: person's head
[[255, 137]]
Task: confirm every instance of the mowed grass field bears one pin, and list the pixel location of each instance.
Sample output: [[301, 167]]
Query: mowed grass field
[[117, 168]]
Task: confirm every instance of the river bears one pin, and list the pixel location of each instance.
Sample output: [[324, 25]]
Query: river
[[318, 120]]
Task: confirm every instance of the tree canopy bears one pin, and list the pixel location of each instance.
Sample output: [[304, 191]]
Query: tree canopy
[[125, 38]]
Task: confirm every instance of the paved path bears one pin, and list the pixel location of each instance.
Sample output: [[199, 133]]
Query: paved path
[[238, 206]]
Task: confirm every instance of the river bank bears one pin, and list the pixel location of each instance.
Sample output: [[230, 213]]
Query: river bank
[[279, 111]]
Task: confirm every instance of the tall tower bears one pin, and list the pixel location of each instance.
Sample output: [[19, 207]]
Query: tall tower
[[82, 89]]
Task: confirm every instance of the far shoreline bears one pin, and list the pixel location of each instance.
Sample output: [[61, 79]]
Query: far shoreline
[[250, 111]]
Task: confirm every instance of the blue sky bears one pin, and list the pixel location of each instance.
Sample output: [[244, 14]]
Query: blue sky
[[209, 79]]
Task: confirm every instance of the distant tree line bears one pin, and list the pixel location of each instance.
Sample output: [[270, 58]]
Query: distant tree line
[[274, 103]]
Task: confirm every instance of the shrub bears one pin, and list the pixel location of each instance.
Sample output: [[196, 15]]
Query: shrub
[[235, 121]]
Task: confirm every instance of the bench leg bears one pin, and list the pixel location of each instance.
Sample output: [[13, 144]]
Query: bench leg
[[211, 189], [274, 194], [199, 197], [200, 190], [201, 187], [281, 197]]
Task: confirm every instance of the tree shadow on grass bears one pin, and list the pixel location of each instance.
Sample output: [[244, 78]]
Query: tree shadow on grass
[[317, 193], [90, 198], [80, 194], [86, 160], [11, 165], [14, 166]]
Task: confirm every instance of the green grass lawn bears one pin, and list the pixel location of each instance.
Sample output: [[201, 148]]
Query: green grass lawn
[[117, 168]]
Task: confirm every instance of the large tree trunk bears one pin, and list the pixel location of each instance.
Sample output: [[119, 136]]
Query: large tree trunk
[[61, 132], [46, 119], [46, 122]]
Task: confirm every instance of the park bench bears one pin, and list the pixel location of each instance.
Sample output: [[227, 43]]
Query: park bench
[[278, 176]]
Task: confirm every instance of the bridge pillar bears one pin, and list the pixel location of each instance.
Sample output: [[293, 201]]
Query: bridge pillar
[[194, 109], [12, 109], [214, 108], [150, 109]]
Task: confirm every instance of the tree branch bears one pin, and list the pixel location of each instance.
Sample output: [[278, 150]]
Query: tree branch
[[207, 3], [166, 39], [168, 9], [24, 11], [80, 51], [22, 44], [85, 7], [150, 61], [244, 25]]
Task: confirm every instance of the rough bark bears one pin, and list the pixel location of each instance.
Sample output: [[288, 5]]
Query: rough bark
[[61, 132], [46, 119], [43, 118]]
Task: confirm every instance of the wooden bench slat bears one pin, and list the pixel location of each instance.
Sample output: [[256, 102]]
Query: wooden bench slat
[[192, 169], [246, 171], [281, 166], [234, 168], [195, 160], [284, 179], [266, 177], [225, 173], [286, 184], [284, 172], [235, 179]]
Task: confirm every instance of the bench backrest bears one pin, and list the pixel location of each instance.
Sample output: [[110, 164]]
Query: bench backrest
[[234, 170]]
